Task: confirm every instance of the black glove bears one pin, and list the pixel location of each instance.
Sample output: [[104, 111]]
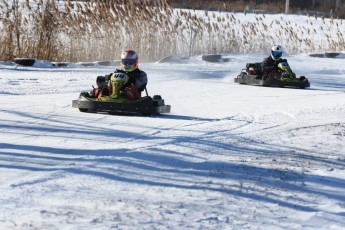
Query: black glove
[[107, 77], [101, 79]]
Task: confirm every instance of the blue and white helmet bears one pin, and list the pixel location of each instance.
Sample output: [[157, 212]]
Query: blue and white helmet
[[276, 52]]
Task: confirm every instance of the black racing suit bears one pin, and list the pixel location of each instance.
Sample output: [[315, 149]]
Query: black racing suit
[[269, 64], [137, 77]]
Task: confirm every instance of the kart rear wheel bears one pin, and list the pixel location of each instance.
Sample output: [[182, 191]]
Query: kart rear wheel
[[83, 110]]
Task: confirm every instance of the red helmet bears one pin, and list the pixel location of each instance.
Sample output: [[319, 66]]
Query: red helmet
[[129, 60]]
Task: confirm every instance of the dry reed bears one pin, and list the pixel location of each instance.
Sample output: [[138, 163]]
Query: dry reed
[[99, 30]]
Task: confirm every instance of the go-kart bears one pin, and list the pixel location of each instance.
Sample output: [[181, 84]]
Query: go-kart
[[108, 97], [281, 76]]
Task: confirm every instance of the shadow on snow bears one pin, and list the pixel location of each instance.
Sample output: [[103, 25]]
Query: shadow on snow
[[159, 165]]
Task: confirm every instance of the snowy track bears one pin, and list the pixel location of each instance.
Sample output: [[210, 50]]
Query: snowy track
[[228, 156]]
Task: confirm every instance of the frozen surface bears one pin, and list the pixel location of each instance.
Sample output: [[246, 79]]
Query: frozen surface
[[229, 156]]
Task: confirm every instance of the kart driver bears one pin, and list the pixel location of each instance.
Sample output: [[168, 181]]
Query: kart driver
[[137, 78], [271, 62]]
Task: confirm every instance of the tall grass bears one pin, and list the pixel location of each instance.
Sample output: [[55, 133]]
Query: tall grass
[[99, 30]]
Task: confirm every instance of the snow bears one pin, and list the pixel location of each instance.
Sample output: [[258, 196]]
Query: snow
[[228, 156]]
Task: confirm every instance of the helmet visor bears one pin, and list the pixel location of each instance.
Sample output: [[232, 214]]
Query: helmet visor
[[277, 54], [128, 61]]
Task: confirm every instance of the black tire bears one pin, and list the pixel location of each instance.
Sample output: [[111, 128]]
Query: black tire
[[157, 97], [302, 78], [83, 110], [84, 94]]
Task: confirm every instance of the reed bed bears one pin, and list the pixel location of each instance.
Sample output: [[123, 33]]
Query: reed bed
[[100, 30]]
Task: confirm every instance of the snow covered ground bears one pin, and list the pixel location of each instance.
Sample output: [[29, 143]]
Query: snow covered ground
[[228, 156]]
